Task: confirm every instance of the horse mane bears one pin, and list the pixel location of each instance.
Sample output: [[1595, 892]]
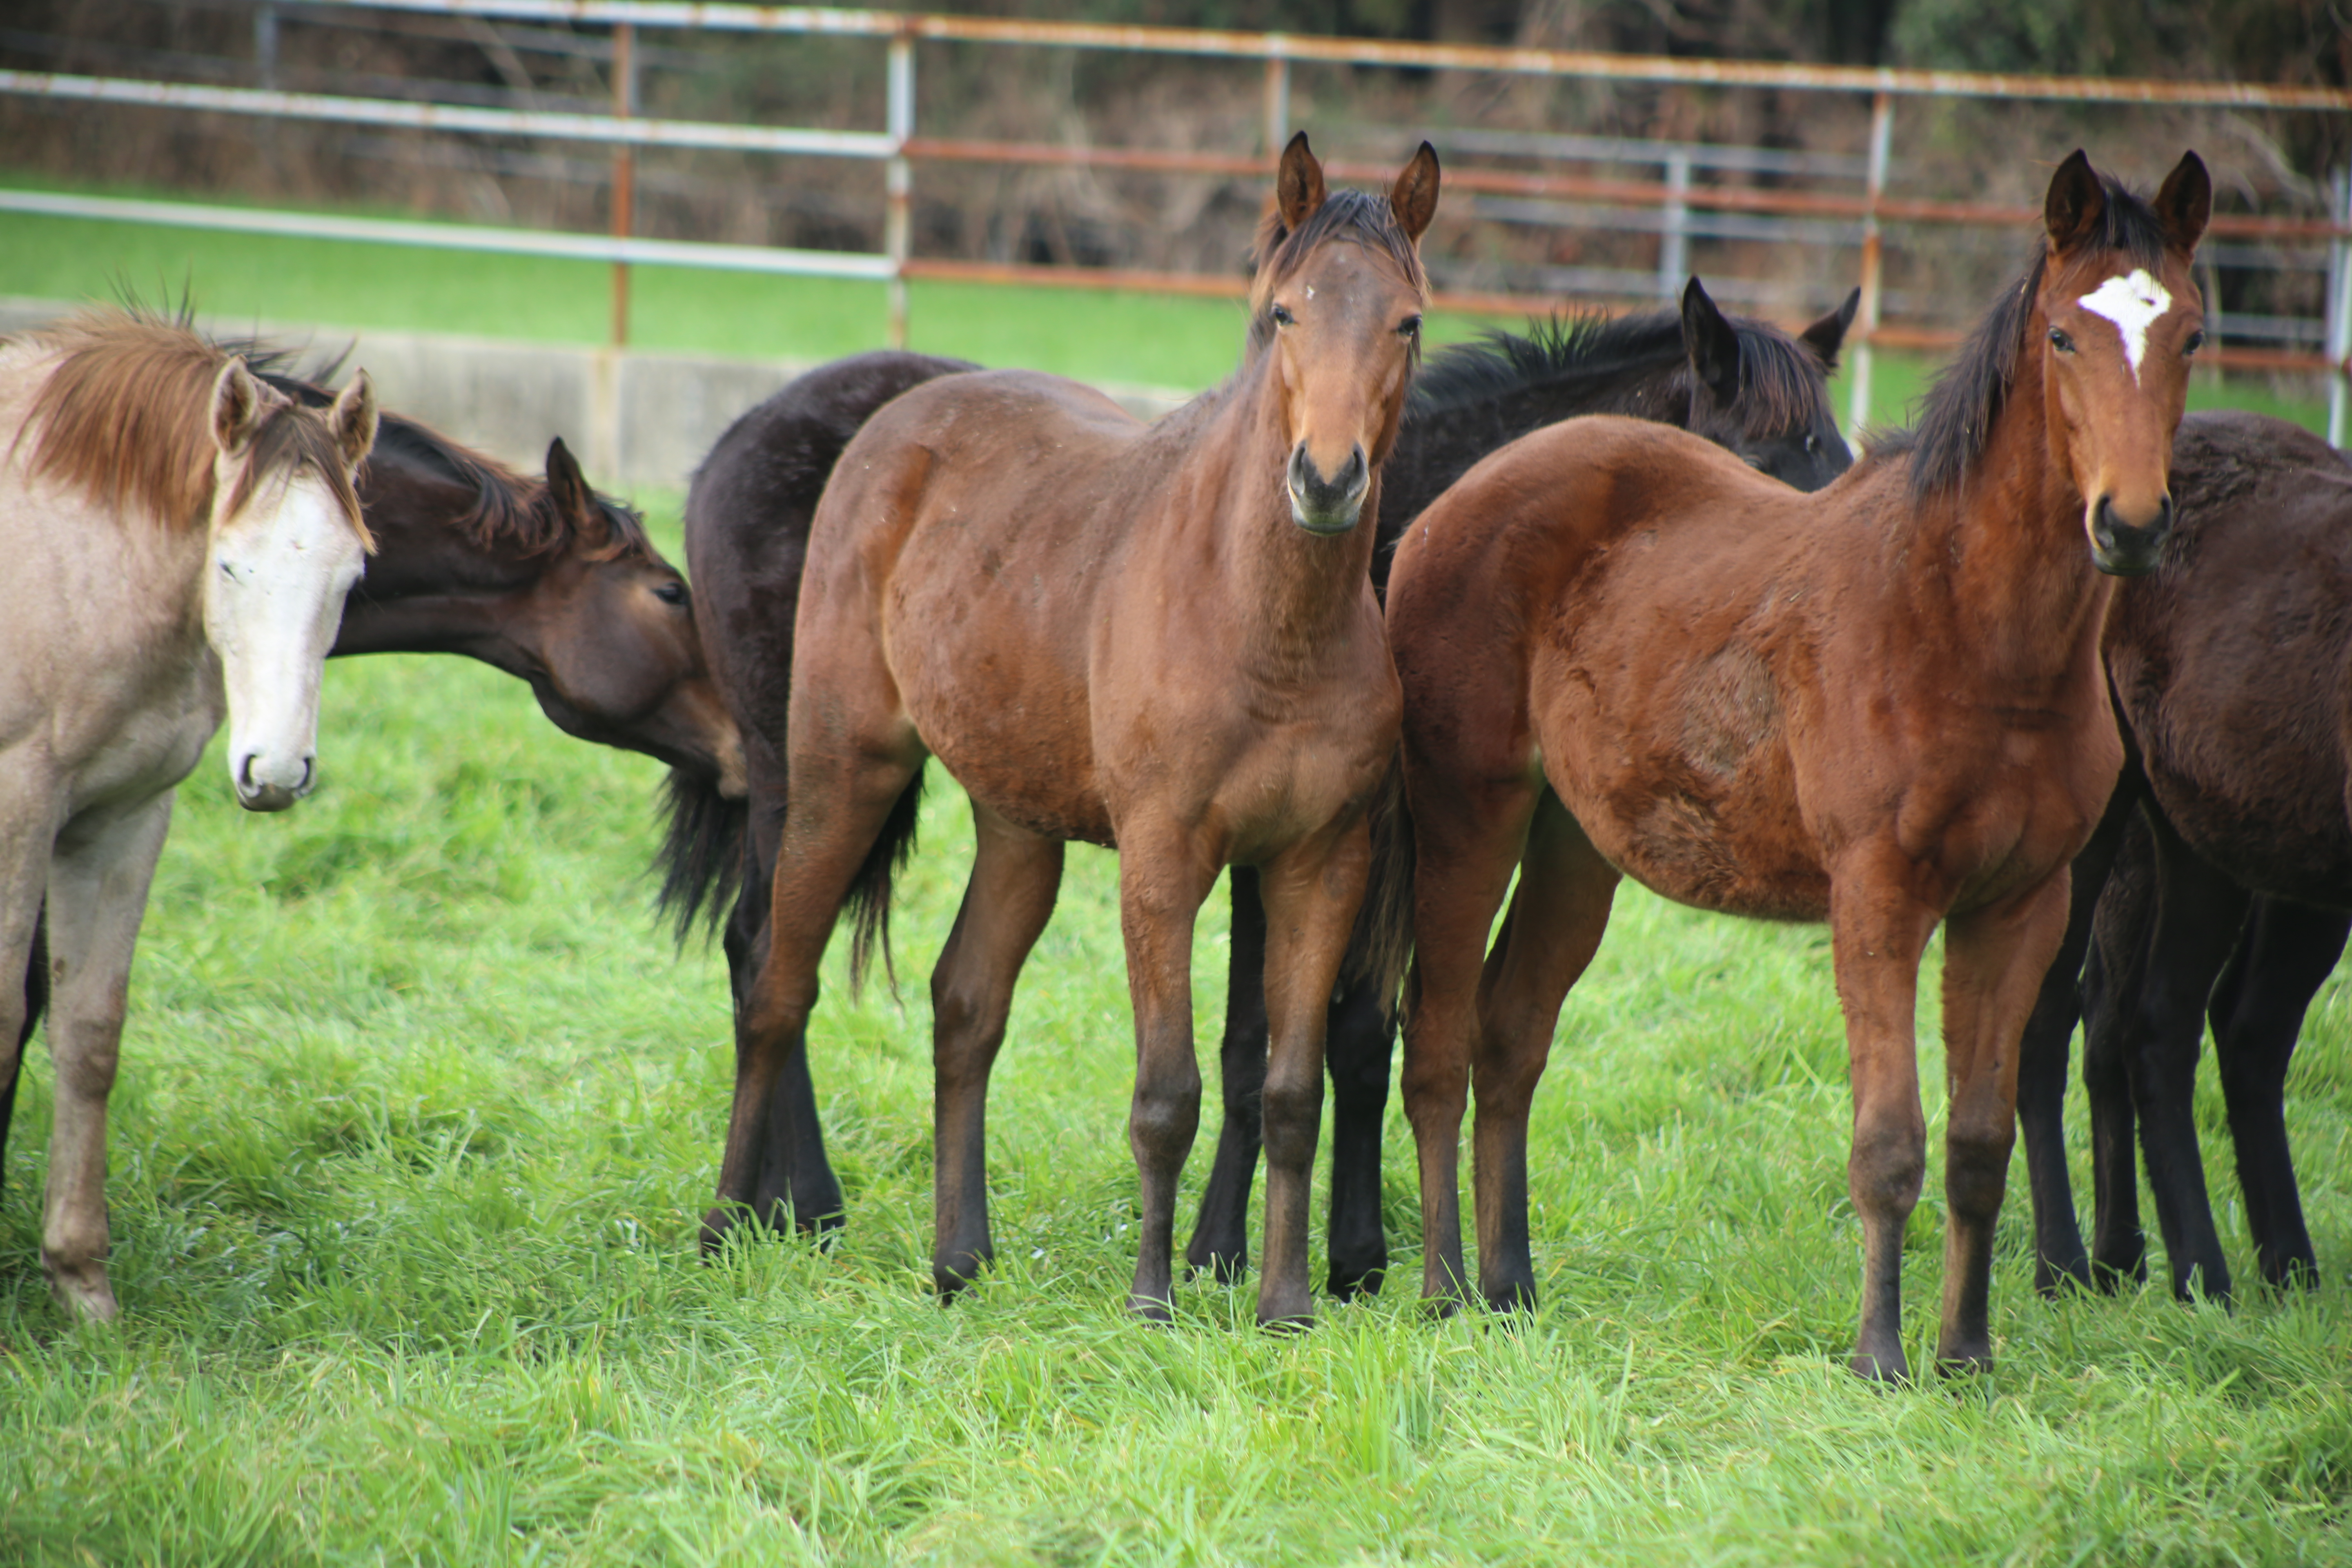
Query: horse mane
[[125, 417], [1779, 378], [509, 511], [1966, 397], [1359, 215]]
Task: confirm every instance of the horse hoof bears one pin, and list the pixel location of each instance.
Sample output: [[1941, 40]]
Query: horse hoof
[[84, 1295], [1286, 1322], [1223, 1268], [1518, 1296], [1348, 1284], [716, 1224], [1971, 1362], [1151, 1308], [1887, 1368], [2053, 1279], [1444, 1304]]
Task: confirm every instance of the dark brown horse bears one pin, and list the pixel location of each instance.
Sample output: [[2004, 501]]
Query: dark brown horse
[[1742, 384], [544, 579], [1881, 706], [2232, 672], [1158, 638]]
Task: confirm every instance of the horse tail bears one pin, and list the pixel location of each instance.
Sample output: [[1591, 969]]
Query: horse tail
[[700, 861], [1383, 943], [868, 904]]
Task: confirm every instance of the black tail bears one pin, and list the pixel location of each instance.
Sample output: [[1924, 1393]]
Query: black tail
[[701, 858], [1382, 942], [868, 905]]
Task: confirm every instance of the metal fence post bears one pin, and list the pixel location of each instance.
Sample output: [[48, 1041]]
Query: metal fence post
[[1277, 97], [264, 44], [1674, 234], [2339, 308], [1881, 132], [898, 181], [625, 171]]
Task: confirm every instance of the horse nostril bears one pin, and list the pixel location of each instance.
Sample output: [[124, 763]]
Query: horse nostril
[[309, 773], [244, 775]]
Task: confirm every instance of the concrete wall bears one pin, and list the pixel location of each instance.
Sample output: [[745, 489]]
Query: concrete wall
[[636, 420]]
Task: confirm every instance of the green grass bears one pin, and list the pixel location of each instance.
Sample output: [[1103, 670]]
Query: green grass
[[418, 1114], [1094, 335]]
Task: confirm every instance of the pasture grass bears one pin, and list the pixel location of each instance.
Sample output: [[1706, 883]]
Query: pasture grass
[[1094, 335], [418, 1114]]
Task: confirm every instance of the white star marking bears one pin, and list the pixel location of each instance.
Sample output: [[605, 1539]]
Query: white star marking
[[2132, 304]]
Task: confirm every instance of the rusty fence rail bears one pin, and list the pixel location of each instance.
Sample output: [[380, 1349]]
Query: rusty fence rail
[[1682, 205]]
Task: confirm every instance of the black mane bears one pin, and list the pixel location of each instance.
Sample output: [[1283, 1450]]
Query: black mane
[[1959, 409], [1778, 374]]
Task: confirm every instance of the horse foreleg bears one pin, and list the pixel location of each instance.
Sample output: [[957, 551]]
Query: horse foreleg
[[1467, 842], [2059, 1258], [1548, 938], [1015, 877], [98, 894], [1994, 961], [2287, 953], [1312, 894], [1162, 878], [1877, 931], [1221, 1236], [2199, 913]]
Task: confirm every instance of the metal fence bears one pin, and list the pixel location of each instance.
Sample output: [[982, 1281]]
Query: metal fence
[[1676, 205]]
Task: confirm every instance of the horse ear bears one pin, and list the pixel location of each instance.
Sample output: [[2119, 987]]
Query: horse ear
[[1826, 336], [2075, 203], [236, 407], [352, 420], [1413, 197], [1712, 343], [2185, 204], [1299, 185], [569, 487]]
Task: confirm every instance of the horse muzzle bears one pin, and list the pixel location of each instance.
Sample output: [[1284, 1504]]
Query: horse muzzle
[[2122, 549], [1326, 506], [268, 794]]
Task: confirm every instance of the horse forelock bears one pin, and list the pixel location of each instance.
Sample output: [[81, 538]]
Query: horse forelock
[[1967, 396], [1783, 384], [1356, 216], [290, 440]]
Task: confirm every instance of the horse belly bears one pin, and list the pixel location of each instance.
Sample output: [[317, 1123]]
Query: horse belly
[[1700, 807], [1004, 712]]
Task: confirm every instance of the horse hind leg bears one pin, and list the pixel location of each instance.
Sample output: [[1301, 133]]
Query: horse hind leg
[[1360, 1038], [98, 893], [845, 804], [1015, 876], [1555, 925], [2257, 1009], [1220, 1245]]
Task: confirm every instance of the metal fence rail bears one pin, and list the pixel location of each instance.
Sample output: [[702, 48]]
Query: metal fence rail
[[1676, 207]]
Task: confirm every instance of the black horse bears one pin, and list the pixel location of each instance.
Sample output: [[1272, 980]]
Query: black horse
[[2221, 874], [1742, 384]]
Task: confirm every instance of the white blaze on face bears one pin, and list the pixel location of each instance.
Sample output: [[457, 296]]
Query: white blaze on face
[[2132, 304], [274, 582]]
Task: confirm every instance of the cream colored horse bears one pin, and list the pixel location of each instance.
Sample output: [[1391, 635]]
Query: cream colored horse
[[178, 541]]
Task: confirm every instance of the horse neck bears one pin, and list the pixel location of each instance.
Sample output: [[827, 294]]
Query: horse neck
[[2020, 585], [1293, 593], [432, 587]]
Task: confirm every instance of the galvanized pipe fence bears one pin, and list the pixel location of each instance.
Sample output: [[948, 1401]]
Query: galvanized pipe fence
[[1675, 206]]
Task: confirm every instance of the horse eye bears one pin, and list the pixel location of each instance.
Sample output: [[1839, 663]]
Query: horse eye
[[670, 593], [2060, 341], [2196, 342], [1282, 316], [1410, 327]]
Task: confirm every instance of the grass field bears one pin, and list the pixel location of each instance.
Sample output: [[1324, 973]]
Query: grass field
[[418, 1113]]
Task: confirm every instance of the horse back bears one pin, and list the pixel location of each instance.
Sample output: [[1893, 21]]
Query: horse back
[[2232, 664]]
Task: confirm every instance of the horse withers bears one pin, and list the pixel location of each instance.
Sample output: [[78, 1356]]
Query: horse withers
[[180, 540], [1162, 639], [1881, 706]]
